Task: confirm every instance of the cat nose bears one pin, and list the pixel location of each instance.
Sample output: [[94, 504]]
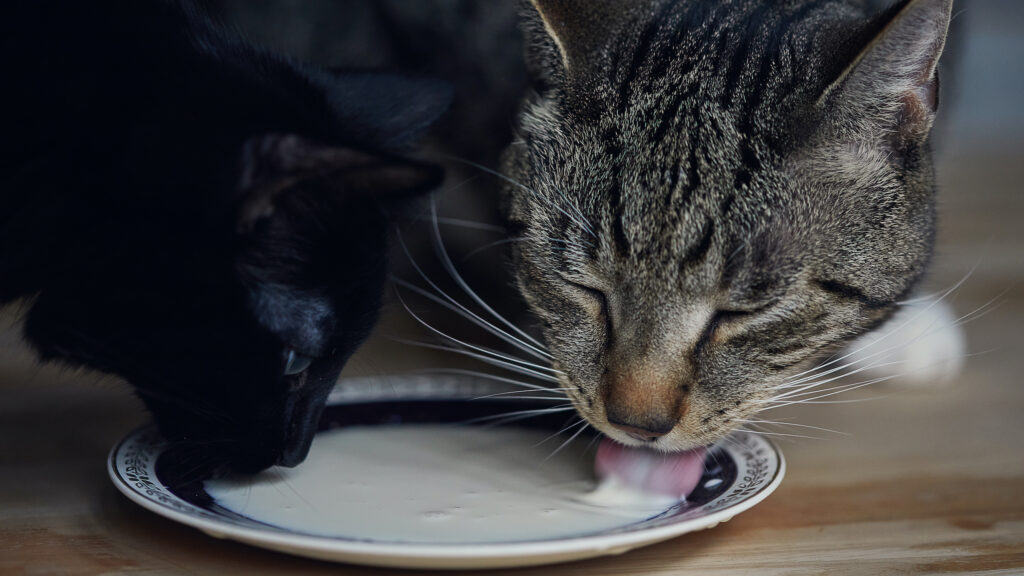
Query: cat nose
[[646, 429], [648, 433], [645, 409]]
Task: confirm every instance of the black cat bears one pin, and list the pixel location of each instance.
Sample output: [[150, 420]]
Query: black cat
[[203, 218]]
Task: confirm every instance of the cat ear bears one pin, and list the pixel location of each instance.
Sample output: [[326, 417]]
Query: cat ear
[[571, 36], [275, 165], [383, 110], [891, 88]]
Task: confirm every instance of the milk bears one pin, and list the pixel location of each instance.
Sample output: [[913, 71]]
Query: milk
[[438, 484]]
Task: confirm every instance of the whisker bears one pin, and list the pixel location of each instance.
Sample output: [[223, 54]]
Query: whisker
[[489, 245], [488, 376], [780, 434], [541, 398], [475, 319], [515, 395], [844, 389], [485, 359], [480, 349], [810, 388], [524, 413], [496, 243], [575, 422], [944, 295], [537, 350], [454, 273], [567, 442], [970, 316], [778, 423], [284, 480], [580, 220]]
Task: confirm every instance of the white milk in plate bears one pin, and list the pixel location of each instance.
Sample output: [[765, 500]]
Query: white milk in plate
[[436, 484]]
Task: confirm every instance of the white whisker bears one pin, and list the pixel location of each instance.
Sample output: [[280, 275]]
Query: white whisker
[[847, 388], [779, 423], [523, 413], [780, 434], [579, 220], [480, 349], [461, 310], [488, 376], [575, 422], [515, 394], [454, 273], [485, 359], [567, 442], [512, 398], [536, 349], [810, 388], [970, 316], [935, 302]]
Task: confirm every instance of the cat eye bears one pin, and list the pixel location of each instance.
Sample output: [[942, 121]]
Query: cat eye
[[598, 297], [720, 318], [723, 316], [295, 363]]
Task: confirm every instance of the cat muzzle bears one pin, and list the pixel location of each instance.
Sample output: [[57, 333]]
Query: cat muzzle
[[302, 421]]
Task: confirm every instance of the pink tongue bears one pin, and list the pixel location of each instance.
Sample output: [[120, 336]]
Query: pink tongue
[[670, 474]]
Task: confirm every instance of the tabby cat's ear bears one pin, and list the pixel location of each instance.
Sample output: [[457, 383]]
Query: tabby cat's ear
[[571, 37], [274, 166], [891, 88]]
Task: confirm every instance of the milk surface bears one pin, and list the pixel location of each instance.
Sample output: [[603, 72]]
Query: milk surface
[[436, 484]]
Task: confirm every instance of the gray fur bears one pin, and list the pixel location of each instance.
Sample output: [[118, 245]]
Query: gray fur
[[741, 186]]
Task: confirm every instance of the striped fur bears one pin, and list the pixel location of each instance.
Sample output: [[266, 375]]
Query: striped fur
[[742, 185]]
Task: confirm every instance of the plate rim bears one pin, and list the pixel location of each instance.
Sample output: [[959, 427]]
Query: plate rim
[[150, 493]]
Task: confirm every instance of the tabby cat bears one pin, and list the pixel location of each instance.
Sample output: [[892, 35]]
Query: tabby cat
[[712, 194]]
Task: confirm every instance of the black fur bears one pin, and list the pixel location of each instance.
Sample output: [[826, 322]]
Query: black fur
[[187, 211]]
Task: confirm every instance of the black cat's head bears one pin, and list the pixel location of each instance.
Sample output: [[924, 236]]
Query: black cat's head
[[234, 256]]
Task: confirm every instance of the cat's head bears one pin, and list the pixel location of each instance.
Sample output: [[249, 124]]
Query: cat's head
[[243, 258], [713, 194]]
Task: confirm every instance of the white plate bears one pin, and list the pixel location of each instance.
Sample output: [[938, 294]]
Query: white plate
[[748, 468]]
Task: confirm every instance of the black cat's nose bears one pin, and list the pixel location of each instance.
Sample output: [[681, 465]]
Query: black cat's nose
[[297, 445], [293, 455], [301, 422]]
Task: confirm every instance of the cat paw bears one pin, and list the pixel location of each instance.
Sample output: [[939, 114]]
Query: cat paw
[[921, 344]]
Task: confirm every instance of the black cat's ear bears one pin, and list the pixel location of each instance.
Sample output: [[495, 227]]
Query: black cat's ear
[[274, 166], [890, 89], [384, 110], [571, 37]]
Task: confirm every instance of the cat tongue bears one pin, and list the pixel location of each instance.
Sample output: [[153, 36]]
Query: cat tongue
[[668, 474]]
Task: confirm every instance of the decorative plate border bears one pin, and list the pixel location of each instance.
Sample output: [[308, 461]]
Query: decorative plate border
[[131, 466]]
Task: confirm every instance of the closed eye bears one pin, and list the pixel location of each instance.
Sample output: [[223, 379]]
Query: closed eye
[[721, 319], [598, 299]]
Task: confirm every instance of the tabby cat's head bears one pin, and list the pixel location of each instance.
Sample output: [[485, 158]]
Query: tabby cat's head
[[715, 193]]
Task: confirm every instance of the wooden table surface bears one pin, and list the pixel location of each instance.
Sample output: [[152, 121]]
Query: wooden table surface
[[930, 480]]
